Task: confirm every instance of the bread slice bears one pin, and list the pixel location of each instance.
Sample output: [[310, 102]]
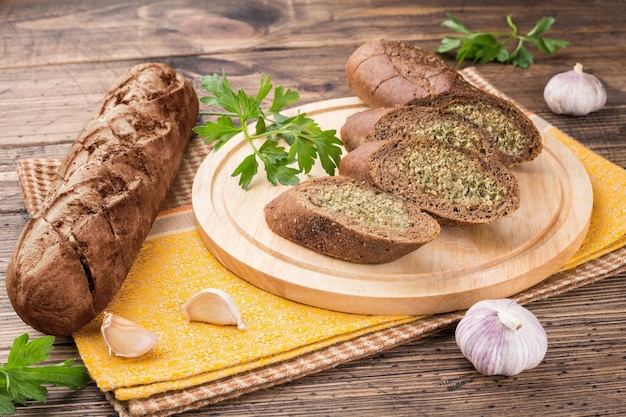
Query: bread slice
[[386, 73], [454, 185], [516, 137], [385, 123], [350, 220]]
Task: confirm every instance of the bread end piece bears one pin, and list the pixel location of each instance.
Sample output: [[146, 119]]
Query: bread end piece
[[386, 73]]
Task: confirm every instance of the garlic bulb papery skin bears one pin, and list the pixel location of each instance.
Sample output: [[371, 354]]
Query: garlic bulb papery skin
[[214, 306], [574, 92], [126, 338], [500, 337]]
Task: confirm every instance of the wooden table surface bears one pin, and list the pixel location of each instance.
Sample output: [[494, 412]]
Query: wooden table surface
[[58, 58]]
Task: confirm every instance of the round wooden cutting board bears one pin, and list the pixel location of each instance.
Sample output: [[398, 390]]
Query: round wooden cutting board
[[463, 265]]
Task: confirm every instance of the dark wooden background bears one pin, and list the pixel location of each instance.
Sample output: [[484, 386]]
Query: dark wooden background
[[57, 59]]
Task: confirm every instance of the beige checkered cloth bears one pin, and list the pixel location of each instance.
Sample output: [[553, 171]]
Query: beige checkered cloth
[[36, 176]]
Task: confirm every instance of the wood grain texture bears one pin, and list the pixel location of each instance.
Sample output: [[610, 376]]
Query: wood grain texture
[[57, 59]]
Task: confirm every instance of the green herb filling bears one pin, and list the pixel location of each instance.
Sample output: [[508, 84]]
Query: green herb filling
[[443, 172], [373, 208], [508, 139]]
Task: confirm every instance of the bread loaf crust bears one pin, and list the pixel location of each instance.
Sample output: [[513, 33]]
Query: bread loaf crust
[[76, 251], [377, 163], [293, 216], [386, 73]]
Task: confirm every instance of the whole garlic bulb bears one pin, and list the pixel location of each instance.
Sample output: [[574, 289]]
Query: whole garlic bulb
[[500, 337], [574, 92]]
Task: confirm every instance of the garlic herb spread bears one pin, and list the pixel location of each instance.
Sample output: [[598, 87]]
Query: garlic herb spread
[[373, 208], [508, 139], [448, 132], [443, 172]]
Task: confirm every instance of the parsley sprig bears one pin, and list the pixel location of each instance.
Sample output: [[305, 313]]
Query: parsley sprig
[[305, 139], [19, 381], [482, 47]]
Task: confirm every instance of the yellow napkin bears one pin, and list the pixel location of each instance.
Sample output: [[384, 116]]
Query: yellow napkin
[[607, 231], [173, 266]]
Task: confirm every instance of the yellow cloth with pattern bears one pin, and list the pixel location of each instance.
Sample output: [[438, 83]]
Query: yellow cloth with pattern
[[175, 265], [607, 230], [170, 269]]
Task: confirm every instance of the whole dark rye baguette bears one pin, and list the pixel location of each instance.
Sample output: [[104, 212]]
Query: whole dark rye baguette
[[350, 220], [75, 252], [386, 73], [405, 122], [456, 186]]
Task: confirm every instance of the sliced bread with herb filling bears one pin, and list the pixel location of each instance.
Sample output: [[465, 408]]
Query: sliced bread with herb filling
[[407, 122], [351, 220], [516, 137], [455, 185]]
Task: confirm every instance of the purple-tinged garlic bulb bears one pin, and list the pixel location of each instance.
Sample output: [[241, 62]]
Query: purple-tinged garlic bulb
[[574, 92], [500, 337]]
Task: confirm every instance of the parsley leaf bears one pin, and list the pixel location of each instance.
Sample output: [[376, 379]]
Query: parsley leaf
[[483, 47], [305, 140], [19, 381]]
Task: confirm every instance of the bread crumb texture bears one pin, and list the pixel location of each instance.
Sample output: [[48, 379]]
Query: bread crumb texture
[[443, 172], [509, 139], [366, 205]]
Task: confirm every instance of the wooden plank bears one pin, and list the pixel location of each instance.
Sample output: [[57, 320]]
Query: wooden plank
[[118, 30], [51, 104]]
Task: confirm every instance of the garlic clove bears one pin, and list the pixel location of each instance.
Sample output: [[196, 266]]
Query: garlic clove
[[125, 338], [214, 306], [574, 92], [500, 337]]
